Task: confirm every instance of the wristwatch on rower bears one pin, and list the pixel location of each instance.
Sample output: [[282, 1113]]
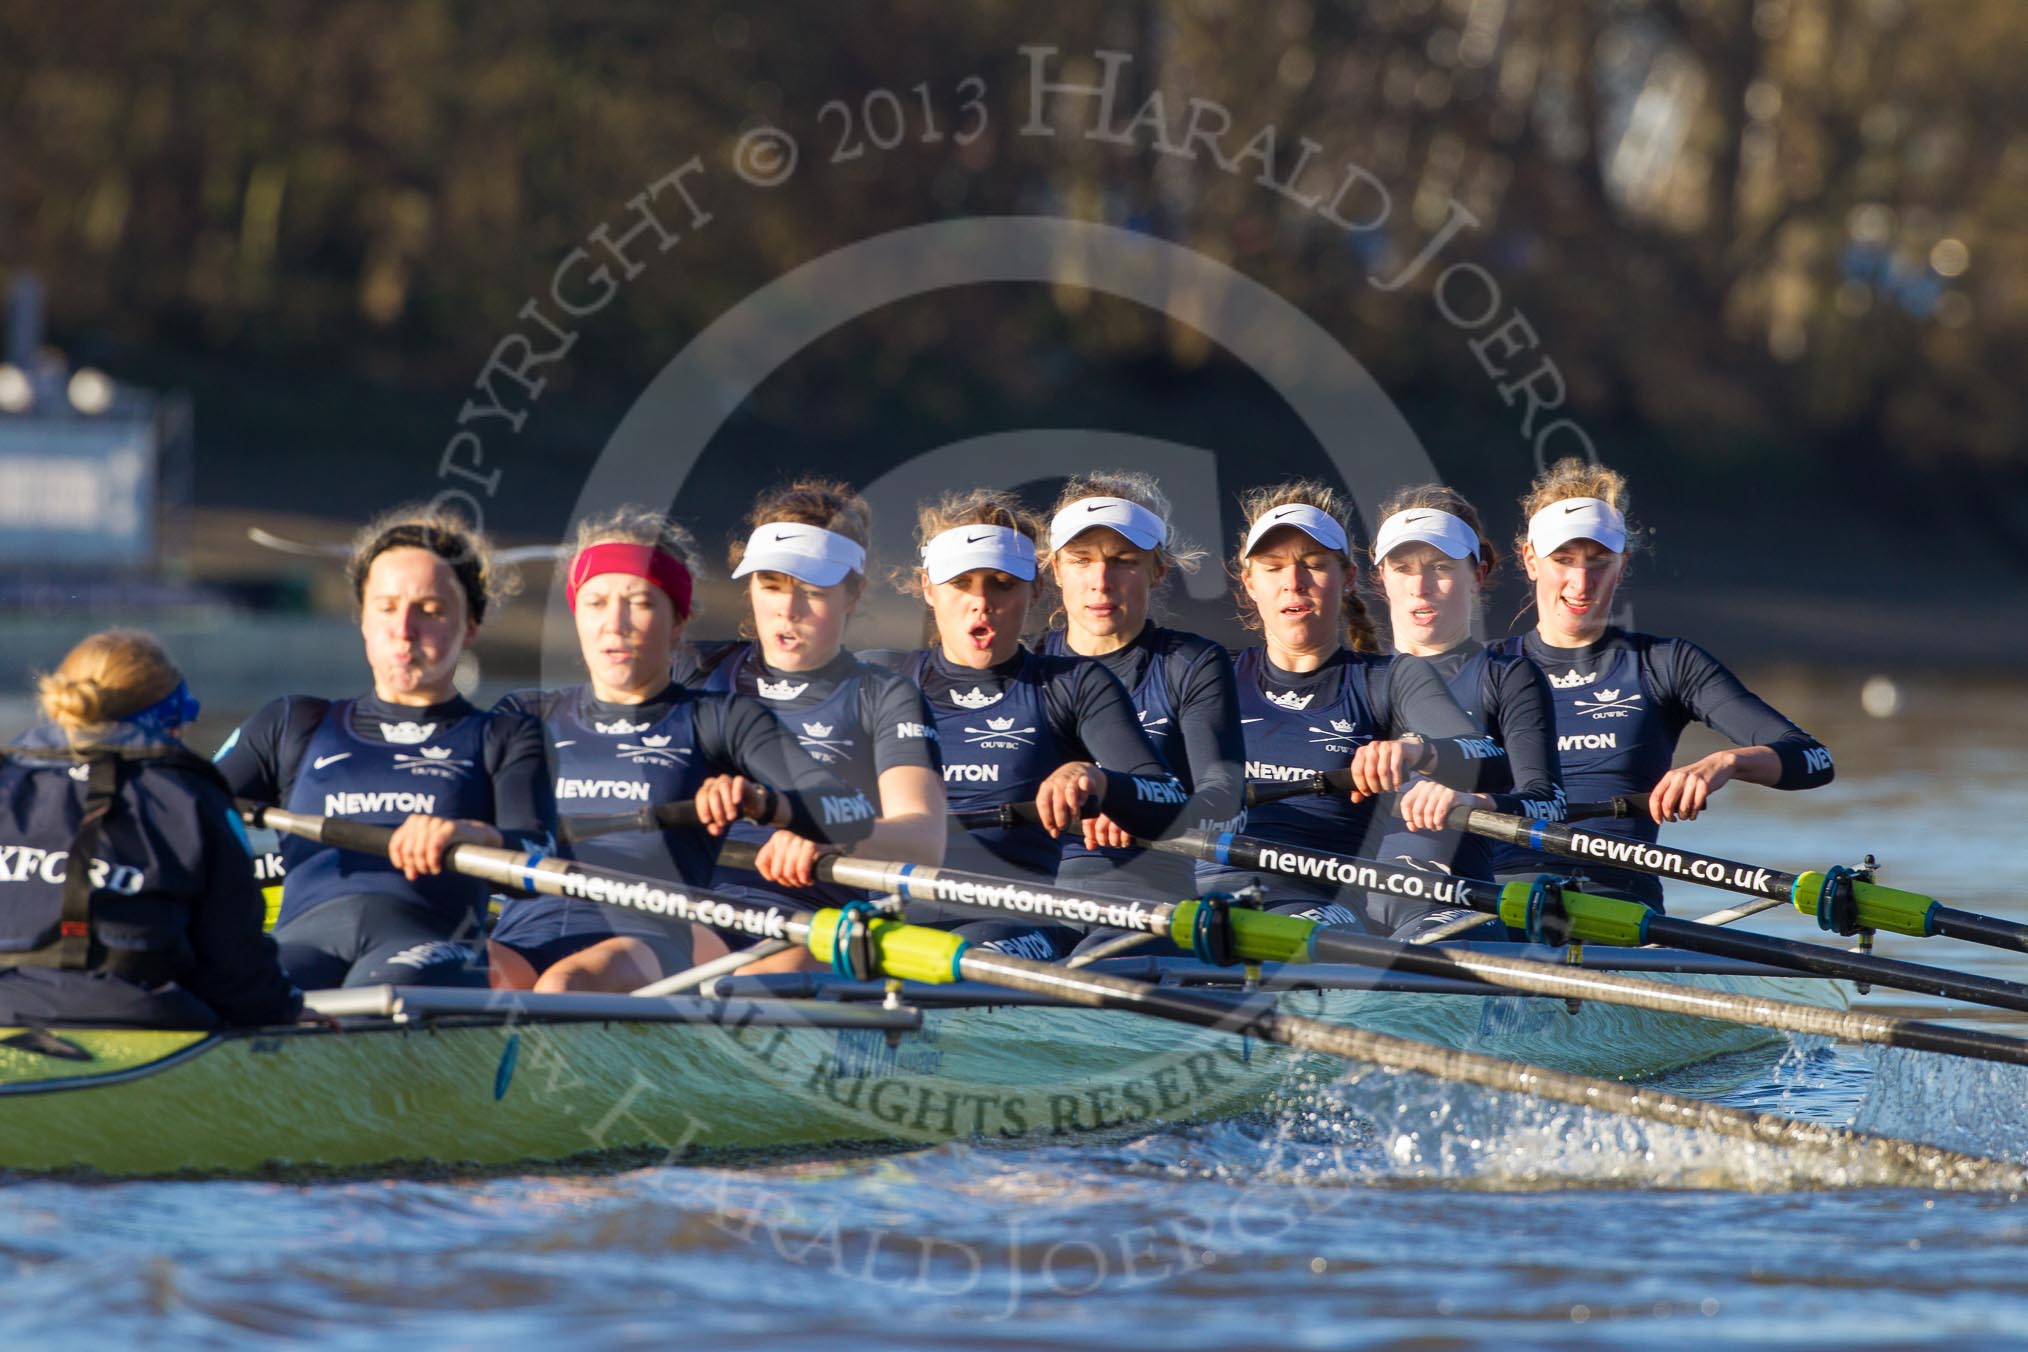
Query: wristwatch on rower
[[1424, 760]]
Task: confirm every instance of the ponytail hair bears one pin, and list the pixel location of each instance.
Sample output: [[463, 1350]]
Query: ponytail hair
[[106, 677]]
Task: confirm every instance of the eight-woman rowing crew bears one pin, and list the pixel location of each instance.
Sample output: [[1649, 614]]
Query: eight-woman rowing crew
[[128, 892]]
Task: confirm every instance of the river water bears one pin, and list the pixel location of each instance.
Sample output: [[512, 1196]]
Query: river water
[[1464, 1219]]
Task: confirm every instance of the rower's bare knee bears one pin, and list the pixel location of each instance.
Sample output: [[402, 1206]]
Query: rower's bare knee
[[616, 965], [507, 970]]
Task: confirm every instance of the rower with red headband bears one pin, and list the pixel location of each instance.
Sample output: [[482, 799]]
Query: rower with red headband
[[414, 754], [1623, 698], [631, 736], [803, 563]]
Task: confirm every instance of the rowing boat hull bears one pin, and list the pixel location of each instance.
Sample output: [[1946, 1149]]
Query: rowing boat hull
[[466, 1093]]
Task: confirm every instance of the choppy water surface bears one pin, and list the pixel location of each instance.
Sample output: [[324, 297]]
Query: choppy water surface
[[1378, 1210]]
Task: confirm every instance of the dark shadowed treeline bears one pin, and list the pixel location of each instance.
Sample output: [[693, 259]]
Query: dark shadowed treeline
[[1752, 228]]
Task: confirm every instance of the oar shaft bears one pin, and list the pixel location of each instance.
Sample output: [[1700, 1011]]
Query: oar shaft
[[1952, 923], [1338, 944], [1284, 938], [1338, 870], [1820, 960], [1259, 1018], [1620, 852], [557, 877], [1874, 906], [1609, 920], [911, 952], [978, 891]]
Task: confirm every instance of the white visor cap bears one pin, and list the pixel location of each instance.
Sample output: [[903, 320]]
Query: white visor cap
[[1448, 534], [1577, 519], [1142, 528], [965, 548], [808, 553], [1318, 525]]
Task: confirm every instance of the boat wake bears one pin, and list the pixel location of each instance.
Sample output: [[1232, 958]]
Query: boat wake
[[1374, 1128]]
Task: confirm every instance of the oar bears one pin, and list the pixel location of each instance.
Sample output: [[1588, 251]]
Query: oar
[[1261, 791], [912, 953], [1257, 793], [758, 806], [1842, 901], [1245, 935], [1554, 913]]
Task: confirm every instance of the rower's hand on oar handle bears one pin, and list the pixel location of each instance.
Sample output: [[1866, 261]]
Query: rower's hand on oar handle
[[1103, 833], [1381, 767], [1427, 805], [1060, 799], [1684, 791], [789, 860], [724, 799], [418, 845]]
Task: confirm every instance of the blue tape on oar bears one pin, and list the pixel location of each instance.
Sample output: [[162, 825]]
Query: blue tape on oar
[[1535, 833], [528, 867], [1224, 848]]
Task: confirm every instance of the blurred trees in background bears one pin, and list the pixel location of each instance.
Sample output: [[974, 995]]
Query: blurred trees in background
[[1747, 223]]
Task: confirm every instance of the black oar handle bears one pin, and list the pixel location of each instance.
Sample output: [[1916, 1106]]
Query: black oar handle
[[1008, 815], [1324, 781], [363, 837], [758, 806], [663, 816], [660, 817], [1610, 807]]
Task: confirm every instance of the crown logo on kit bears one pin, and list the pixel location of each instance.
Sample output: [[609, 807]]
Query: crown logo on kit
[[407, 734], [437, 752], [817, 729], [1289, 699], [782, 689], [1341, 725], [620, 728], [1570, 680], [1000, 724], [655, 741], [975, 698]]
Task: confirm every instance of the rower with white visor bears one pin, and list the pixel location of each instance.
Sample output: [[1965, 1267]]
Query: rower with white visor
[[804, 565], [1433, 565], [1111, 553], [1317, 694], [1623, 698], [1016, 724]]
